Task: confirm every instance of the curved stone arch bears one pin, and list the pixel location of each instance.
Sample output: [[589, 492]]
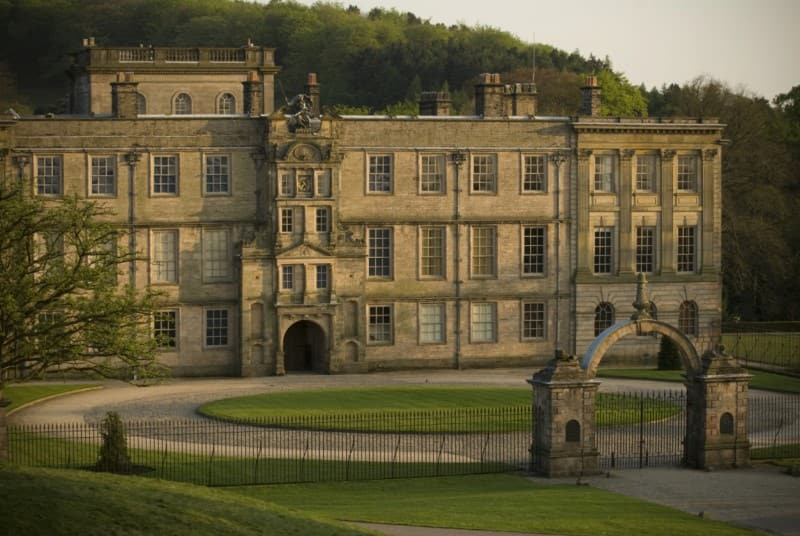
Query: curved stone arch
[[311, 320], [600, 345]]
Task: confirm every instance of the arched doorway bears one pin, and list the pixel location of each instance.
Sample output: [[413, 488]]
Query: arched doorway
[[304, 347]]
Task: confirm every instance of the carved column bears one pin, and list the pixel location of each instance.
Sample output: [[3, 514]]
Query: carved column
[[624, 200], [716, 421], [564, 440], [584, 244], [667, 207]]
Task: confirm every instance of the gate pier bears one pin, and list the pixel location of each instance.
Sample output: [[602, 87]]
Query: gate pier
[[564, 442], [716, 428]]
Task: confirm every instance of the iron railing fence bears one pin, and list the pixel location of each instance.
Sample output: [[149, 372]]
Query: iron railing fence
[[632, 430], [641, 429], [773, 425], [769, 343], [332, 447]]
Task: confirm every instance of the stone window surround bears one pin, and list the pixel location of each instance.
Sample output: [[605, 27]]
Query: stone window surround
[[380, 246], [530, 258], [157, 171], [531, 324], [218, 176], [483, 322], [524, 175], [173, 331], [216, 258], [380, 324], [483, 256], [426, 251], [432, 182], [106, 179], [379, 173], [170, 257], [51, 164], [483, 174]]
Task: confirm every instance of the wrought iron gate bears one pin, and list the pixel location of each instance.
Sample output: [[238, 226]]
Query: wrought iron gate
[[636, 430]]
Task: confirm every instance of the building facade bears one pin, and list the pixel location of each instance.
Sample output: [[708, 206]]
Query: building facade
[[292, 240]]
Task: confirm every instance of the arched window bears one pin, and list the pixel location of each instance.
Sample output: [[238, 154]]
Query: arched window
[[603, 317], [141, 104], [226, 104], [687, 318], [726, 424], [573, 431], [183, 104]]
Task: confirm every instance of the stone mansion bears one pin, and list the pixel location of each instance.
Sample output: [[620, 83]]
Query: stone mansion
[[296, 239]]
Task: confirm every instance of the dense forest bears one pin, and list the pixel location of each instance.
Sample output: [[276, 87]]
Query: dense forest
[[379, 62]]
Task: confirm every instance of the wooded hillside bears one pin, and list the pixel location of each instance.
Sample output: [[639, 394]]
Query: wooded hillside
[[378, 62]]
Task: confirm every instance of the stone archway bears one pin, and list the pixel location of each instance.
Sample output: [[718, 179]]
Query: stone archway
[[640, 326], [304, 347], [564, 402]]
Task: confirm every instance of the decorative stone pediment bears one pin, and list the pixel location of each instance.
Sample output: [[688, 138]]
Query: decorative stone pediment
[[304, 251], [304, 152]]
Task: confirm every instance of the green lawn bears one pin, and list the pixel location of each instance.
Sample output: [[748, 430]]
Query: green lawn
[[760, 380], [56, 502], [489, 502], [410, 409], [774, 348], [23, 394]]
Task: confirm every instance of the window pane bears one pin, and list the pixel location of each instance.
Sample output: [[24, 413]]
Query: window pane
[[483, 322], [484, 175], [645, 249], [431, 323], [534, 179], [165, 174], [227, 104], [217, 265], [432, 180], [165, 261], [165, 329], [432, 252], [323, 271], [103, 181], [604, 173], [217, 174], [323, 223], [603, 317], [483, 251], [533, 320], [645, 173], [183, 104], [217, 327], [287, 277], [287, 220], [687, 318], [533, 250], [686, 249], [687, 173], [603, 250], [380, 323], [48, 175], [380, 253], [380, 174]]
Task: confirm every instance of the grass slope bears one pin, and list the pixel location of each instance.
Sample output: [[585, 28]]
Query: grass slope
[[24, 394], [56, 502], [490, 502]]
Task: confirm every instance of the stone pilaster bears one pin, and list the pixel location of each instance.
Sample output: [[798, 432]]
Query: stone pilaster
[[584, 240], [667, 211], [124, 96], [624, 201], [564, 440], [710, 166], [716, 427]]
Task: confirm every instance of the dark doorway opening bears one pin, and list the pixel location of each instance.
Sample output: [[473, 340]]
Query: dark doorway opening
[[304, 347]]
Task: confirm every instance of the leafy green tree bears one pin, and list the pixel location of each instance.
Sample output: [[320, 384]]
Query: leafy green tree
[[669, 357], [113, 456], [619, 97], [61, 307]]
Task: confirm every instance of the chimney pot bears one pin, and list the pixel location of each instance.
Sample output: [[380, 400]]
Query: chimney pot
[[312, 78]]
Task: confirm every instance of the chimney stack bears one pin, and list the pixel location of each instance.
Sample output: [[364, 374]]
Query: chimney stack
[[253, 95], [489, 96], [312, 90], [523, 99], [434, 103], [590, 97], [124, 97]]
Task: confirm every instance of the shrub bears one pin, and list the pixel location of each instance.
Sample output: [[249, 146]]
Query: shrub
[[669, 358], [114, 451]]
